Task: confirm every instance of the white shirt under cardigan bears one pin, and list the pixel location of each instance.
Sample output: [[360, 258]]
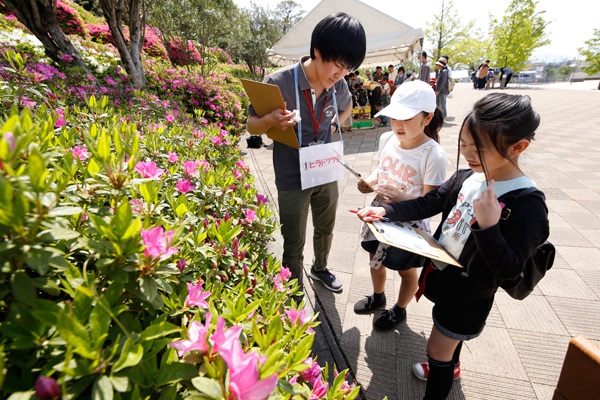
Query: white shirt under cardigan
[[457, 227]]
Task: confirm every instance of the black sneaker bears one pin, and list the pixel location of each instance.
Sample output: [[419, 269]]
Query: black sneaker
[[368, 304], [388, 320], [327, 278]]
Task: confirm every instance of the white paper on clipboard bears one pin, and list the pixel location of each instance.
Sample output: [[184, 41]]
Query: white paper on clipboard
[[399, 232]]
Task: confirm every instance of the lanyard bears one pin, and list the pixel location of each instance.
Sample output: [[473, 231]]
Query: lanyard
[[298, 108], [315, 124]]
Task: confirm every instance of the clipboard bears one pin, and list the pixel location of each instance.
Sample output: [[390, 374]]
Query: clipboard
[[265, 98], [442, 254]]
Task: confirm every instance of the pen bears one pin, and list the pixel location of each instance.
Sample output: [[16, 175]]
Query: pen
[[385, 219]]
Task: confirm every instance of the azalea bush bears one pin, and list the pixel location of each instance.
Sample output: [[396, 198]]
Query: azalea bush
[[133, 245]]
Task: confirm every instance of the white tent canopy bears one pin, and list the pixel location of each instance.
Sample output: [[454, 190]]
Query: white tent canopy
[[389, 41]]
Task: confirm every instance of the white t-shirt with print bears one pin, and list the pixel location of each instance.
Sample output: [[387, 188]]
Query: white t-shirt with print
[[402, 168], [457, 227]]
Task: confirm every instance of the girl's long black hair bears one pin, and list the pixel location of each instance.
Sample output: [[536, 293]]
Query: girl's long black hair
[[435, 125]]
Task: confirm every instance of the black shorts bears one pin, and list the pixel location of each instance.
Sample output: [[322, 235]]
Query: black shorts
[[397, 259]]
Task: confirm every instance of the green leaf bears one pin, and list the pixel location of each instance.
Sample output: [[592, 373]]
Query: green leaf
[[208, 386], [57, 233], [37, 171], [131, 354], [99, 322], [104, 146], [182, 209], [22, 395], [175, 372], [46, 311], [23, 288], [63, 211], [148, 288], [120, 383], [158, 330], [103, 389], [122, 218], [38, 260]]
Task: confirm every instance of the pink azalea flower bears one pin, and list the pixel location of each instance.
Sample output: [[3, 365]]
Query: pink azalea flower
[[278, 283], [66, 57], [184, 186], [222, 338], [197, 337], [60, 122], [293, 380], [196, 297], [139, 208], [294, 315], [28, 103], [250, 215], [46, 388], [157, 243], [170, 118], [216, 140], [312, 373], [204, 164], [244, 383], [181, 264], [172, 157], [223, 133], [9, 138], [79, 152], [285, 273], [190, 167], [149, 170], [319, 389], [242, 165]]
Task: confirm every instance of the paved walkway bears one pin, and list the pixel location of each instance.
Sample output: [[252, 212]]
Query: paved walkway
[[520, 353]]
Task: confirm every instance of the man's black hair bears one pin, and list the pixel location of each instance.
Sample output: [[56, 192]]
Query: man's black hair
[[424, 54], [356, 72], [390, 66], [340, 38]]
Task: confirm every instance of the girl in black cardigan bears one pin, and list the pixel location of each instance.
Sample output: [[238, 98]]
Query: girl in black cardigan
[[491, 243]]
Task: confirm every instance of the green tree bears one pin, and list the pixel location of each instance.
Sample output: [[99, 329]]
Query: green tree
[[592, 55], [447, 34], [289, 13], [203, 22], [260, 31], [469, 52], [521, 31]]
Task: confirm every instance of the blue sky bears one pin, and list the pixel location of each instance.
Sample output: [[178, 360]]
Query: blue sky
[[572, 24]]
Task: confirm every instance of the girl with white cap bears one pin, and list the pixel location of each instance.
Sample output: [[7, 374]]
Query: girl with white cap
[[411, 164]]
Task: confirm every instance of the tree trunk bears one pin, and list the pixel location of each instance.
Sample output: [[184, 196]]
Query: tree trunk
[[39, 16], [131, 57]]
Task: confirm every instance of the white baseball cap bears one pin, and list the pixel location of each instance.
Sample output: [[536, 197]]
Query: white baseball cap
[[409, 99]]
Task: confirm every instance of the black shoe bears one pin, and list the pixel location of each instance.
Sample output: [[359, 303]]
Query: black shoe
[[327, 278], [368, 305], [388, 320]]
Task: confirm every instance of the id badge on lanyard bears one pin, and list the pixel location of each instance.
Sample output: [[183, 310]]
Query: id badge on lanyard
[[319, 162]]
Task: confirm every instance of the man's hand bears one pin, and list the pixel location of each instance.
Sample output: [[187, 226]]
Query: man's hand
[[487, 208], [281, 119]]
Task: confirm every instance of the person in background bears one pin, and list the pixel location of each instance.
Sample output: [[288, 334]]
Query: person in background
[[357, 77], [433, 83], [425, 74], [482, 74], [505, 75], [360, 94], [374, 91], [385, 93], [392, 74], [448, 67], [441, 89], [378, 75], [368, 75], [490, 78]]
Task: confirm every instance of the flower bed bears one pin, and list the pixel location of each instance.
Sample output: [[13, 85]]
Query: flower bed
[[134, 246]]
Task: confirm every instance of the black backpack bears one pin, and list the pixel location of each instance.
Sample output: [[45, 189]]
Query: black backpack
[[362, 97], [536, 266]]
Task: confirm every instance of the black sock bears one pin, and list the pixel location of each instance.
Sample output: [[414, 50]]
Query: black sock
[[440, 379], [456, 355], [399, 311], [378, 297]]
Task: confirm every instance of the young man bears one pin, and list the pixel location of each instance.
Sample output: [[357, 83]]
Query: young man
[[338, 45], [425, 74], [392, 74], [378, 75], [441, 88]]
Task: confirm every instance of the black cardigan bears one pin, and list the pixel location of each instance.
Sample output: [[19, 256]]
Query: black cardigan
[[489, 255]]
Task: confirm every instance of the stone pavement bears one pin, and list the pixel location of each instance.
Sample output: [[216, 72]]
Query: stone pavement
[[520, 352]]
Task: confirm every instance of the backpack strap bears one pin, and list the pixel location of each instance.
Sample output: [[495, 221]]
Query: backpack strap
[[426, 152], [525, 192]]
